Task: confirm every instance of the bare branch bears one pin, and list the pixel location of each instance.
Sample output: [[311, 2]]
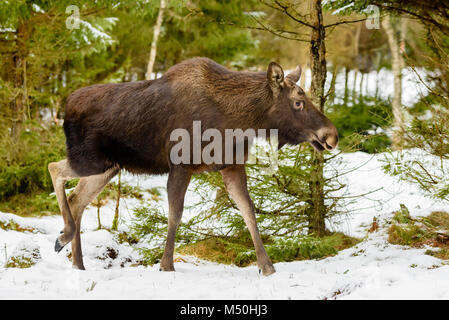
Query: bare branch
[[344, 22], [284, 9], [261, 28], [277, 32]]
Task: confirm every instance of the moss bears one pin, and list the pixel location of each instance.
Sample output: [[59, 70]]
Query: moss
[[14, 226], [305, 248], [221, 250], [240, 251]]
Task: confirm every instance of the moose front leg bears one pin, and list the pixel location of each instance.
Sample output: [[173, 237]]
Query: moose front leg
[[234, 179], [178, 181]]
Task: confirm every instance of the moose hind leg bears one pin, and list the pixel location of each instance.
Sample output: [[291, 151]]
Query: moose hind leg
[[61, 172], [178, 181], [234, 179], [86, 191]]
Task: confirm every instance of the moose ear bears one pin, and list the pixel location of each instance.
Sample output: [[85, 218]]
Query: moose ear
[[275, 75], [295, 75]]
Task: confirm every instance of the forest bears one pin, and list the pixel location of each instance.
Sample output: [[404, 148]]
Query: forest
[[379, 70]]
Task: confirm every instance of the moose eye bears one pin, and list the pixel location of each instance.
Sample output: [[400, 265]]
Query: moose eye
[[299, 105]]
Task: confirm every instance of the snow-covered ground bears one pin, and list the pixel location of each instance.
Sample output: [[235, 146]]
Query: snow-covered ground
[[374, 269]]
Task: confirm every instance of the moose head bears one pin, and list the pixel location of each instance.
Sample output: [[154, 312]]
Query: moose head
[[294, 115]]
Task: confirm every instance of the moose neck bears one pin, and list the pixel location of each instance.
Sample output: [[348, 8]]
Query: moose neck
[[244, 96]]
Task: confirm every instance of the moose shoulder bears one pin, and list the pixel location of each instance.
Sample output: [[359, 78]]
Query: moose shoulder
[[131, 126]]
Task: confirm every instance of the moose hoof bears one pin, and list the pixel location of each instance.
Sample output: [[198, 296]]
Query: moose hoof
[[59, 245], [267, 270], [166, 268], [78, 267]]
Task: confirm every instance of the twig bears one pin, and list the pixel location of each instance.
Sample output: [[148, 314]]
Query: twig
[[6, 256], [285, 10], [344, 22], [265, 28]]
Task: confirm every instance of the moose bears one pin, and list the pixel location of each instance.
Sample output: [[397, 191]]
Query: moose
[[109, 127]]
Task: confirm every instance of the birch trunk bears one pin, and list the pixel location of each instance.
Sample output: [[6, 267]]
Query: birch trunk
[[396, 65], [356, 55], [361, 86], [156, 32], [346, 96]]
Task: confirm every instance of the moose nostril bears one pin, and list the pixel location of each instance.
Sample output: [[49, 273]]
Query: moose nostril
[[331, 141], [328, 137]]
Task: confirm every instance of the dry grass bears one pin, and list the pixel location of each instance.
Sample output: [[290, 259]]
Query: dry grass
[[11, 225], [442, 253], [439, 219], [432, 230]]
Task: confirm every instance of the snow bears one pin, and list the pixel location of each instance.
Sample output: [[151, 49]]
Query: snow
[[339, 10], [97, 33], [412, 88], [373, 269], [36, 8]]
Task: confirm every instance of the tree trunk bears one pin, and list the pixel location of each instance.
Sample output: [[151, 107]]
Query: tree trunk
[[331, 93], [402, 40], [354, 85], [346, 96], [318, 55], [396, 65], [376, 94], [317, 211], [156, 32], [361, 87], [18, 62], [356, 58], [377, 64]]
